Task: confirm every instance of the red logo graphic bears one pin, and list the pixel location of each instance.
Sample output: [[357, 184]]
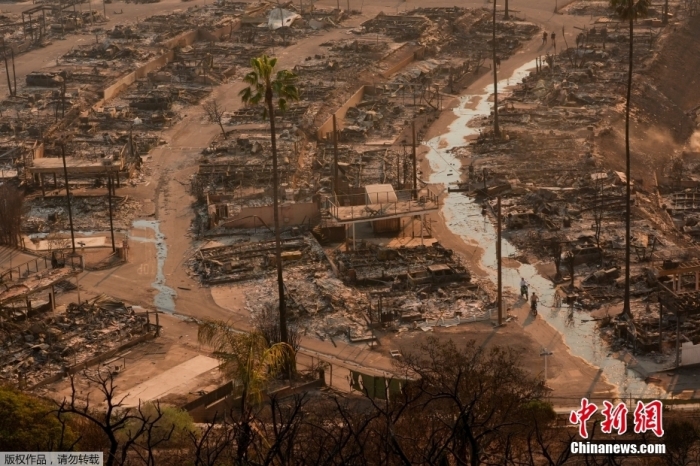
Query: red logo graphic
[[615, 418], [582, 415], [647, 417]]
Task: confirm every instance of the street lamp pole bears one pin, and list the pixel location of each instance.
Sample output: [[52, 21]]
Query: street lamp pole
[[82, 258], [545, 353], [110, 186], [70, 212]]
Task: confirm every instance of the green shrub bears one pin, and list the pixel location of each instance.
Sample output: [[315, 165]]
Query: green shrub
[[30, 423], [180, 419]]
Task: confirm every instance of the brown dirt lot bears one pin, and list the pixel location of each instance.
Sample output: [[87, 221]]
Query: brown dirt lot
[[569, 377]]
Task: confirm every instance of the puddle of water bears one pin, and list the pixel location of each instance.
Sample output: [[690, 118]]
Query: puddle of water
[[65, 233], [463, 217], [165, 299]]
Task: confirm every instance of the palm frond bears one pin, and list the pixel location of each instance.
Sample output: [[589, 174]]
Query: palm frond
[[282, 104], [251, 78], [286, 76], [215, 333], [264, 78], [291, 91], [246, 94], [245, 357], [634, 9], [277, 355]]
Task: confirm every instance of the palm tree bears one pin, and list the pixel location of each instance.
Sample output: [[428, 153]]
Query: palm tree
[[266, 86], [245, 357], [629, 10]]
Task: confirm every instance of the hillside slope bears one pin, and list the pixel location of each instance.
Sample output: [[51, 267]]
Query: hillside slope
[[664, 93]]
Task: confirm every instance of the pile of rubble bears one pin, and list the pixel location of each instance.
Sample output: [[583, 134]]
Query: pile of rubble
[[401, 28], [90, 213], [588, 8], [432, 291], [396, 266], [38, 25], [109, 50], [248, 260], [42, 345], [287, 21], [241, 168], [317, 303]]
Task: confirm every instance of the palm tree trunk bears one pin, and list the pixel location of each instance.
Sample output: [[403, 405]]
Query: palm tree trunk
[[275, 203], [244, 398], [628, 195], [496, 129]]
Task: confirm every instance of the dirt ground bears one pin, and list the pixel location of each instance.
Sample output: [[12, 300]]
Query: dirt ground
[[570, 378], [166, 199]]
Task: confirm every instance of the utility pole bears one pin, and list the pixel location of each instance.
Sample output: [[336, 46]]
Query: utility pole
[[63, 98], [336, 188], [131, 141], [506, 16], [545, 353], [70, 213], [14, 75], [398, 171], [499, 299], [7, 69], [678, 339], [110, 186], [82, 266], [496, 129], [415, 168], [661, 321]]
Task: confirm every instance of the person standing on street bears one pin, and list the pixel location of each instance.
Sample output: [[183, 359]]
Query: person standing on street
[[533, 303], [523, 289]]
